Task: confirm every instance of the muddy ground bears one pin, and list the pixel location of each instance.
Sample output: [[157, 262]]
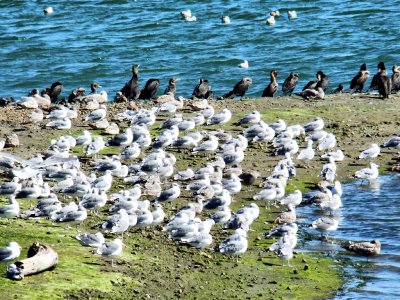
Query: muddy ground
[[152, 266]]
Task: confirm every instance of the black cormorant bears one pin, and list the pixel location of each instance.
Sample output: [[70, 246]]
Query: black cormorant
[[290, 84], [55, 91], [272, 87], [94, 86], [384, 83], [357, 84], [131, 89], [202, 90], [239, 89], [171, 88], [381, 71], [323, 80], [395, 79], [150, 89]]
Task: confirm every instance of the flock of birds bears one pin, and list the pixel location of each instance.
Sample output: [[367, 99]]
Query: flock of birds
[[148, 165]]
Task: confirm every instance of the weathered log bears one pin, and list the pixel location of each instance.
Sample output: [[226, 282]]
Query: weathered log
[[41, 257]]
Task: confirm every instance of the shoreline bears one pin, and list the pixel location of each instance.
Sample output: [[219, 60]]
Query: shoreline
[[357, 121]]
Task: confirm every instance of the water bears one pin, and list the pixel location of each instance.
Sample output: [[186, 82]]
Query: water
[[86, 41], [369, 212]]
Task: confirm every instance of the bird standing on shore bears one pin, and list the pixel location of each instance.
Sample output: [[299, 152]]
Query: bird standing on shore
[[131, 89], [290, 83], [150, 89], [10, 252], [239, 89], [358, 81], [202, 90], [272, 88]]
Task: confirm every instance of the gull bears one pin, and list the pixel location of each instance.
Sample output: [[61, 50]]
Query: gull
[[308, 153], [292, 14], [285, 252], [392, 142], [294, 198], [73, 216], [289, 239], [184, 142], [36, 116], [122, 139], [144, 218], [371, 152], [27, 102], [117, 223], [90, 239], [225, 19], [283, 229], [95, 146], [316, 124], [10, 210], [221, 215], [94, 200], [103, 182], [187, 125], [208, 146], [325, 224], [158, 214], [316, 135], [288, 216], [368, 173], [174, 120], [199, 240], [278, 126], [170, 194], [224, 199], [289, 148], [244, 64], [250, 119], [235, 244], [233, 185], [112, 248], [208, 111], [332, 204], [328, 171], [220, 118], [10, 252], [270, 20], [131, 152], [12, 187], [364, 248], [97, 115], [337, 155], [244, 217], [64, 123], [329, 141]]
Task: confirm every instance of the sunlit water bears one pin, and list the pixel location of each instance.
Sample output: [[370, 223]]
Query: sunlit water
[[84, 41], [370, 211]]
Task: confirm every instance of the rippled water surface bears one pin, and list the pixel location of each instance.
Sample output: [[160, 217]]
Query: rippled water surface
[[369, 212], [86, 41]]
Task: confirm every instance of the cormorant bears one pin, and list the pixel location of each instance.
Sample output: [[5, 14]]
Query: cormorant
[[239, 89], [384, 83], [381, 71], [131, 89], [322, 81], [94, 86], [202, 90], [357, 84], [76, 95], [290, 84], [150, 89], [55, 91], [171, 88], [308, 94], [339, 89], [395, 79], [272, 88]]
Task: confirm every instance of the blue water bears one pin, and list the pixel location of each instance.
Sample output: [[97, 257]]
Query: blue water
[[86, 41], [369, 212]]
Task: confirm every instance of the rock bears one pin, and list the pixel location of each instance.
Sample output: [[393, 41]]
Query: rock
[[101, 124], [111, 129], [11, 141]]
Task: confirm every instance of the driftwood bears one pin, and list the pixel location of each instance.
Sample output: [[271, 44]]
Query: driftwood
[[41, 257]]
